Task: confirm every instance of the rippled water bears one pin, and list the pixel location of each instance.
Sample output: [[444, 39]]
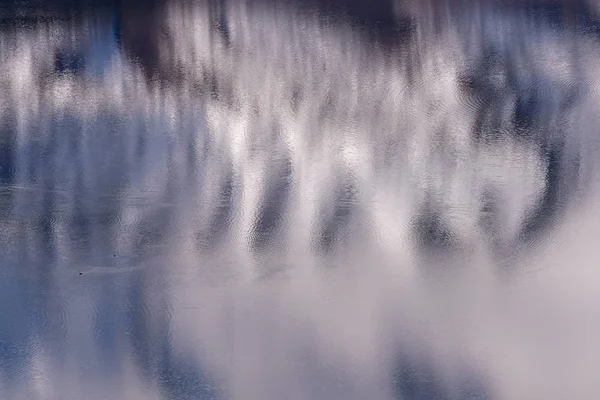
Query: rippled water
[[300, 200]]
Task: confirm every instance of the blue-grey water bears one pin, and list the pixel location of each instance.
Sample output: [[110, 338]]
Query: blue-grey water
[[299, 200]]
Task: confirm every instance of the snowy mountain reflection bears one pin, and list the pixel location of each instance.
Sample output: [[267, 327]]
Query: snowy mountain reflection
[[273, 200]]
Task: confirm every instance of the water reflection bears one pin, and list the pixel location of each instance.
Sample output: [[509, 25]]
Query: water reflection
[[256, 200]]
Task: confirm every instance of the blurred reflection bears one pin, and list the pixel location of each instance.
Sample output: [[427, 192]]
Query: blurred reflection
[[260, 200]]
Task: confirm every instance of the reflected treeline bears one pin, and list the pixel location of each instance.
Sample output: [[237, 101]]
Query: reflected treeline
[[154, 157]]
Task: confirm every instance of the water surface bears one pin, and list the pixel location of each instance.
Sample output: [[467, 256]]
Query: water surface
[[299, 200]]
